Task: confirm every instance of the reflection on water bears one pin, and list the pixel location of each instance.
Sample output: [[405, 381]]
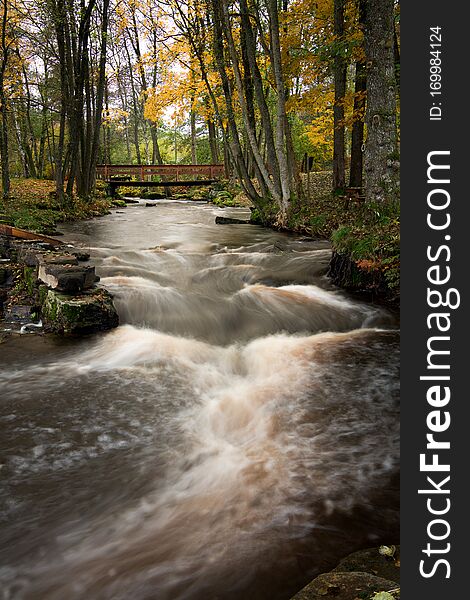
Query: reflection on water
[[235, 435]]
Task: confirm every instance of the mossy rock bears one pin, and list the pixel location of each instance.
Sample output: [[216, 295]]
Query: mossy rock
[[345, 272], [30, 279], [153, 196], [373, 562], [223, 198], [347, 586], [86, 313], [199, 193]]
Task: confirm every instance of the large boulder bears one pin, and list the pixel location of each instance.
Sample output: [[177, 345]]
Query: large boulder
[[88, 312]]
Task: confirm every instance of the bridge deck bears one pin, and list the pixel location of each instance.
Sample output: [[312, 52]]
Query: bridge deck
[[181, 183], [113, 184], [172, 175], [209, 171]]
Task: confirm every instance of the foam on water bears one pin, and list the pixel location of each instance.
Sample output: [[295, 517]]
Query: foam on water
[[232, 437]]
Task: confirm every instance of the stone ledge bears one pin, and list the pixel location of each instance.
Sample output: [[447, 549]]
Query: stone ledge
[[67, 278]]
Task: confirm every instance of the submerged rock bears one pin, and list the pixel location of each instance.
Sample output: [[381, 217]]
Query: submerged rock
[[20, 313], [80, 255], [153, 196], [231, 221], [89, 312]]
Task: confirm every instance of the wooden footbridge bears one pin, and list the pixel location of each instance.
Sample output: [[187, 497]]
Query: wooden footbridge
[[169, 175]]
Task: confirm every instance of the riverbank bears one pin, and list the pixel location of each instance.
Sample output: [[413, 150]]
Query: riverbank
[[365, 238], [33, 205]]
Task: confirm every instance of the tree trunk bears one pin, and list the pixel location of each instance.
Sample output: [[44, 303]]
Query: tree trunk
[[193, 135], [357, 135], [135, 111], [4, 146], [3, 107], [282, 142], [107, 128], [381, 156], [94, 131], [59, 17], [396, 54], [42, 144], [339, 177], [212, 141], [235, 143], [21, 145], [135, 41]]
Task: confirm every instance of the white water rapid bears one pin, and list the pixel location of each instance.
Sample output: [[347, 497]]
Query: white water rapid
[[237, 434]]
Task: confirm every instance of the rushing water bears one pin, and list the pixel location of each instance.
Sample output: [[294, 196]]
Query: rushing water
[[237, 434]]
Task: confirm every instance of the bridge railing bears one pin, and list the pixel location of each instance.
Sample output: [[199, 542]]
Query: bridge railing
[[174, 171]]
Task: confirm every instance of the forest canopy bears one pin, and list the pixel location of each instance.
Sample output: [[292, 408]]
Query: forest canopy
[[269, 88]]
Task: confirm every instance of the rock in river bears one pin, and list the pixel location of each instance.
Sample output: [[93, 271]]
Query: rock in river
[[231, 221], [374, 562], [88, 312], [70, 279], [346, 586]]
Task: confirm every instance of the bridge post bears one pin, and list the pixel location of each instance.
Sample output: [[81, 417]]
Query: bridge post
[[112, 187]]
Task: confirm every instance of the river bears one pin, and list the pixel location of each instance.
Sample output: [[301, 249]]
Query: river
[[237, 434]]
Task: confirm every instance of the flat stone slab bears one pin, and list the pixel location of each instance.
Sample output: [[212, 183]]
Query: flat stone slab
[[347, 586], [89, 312], [70, 279]]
